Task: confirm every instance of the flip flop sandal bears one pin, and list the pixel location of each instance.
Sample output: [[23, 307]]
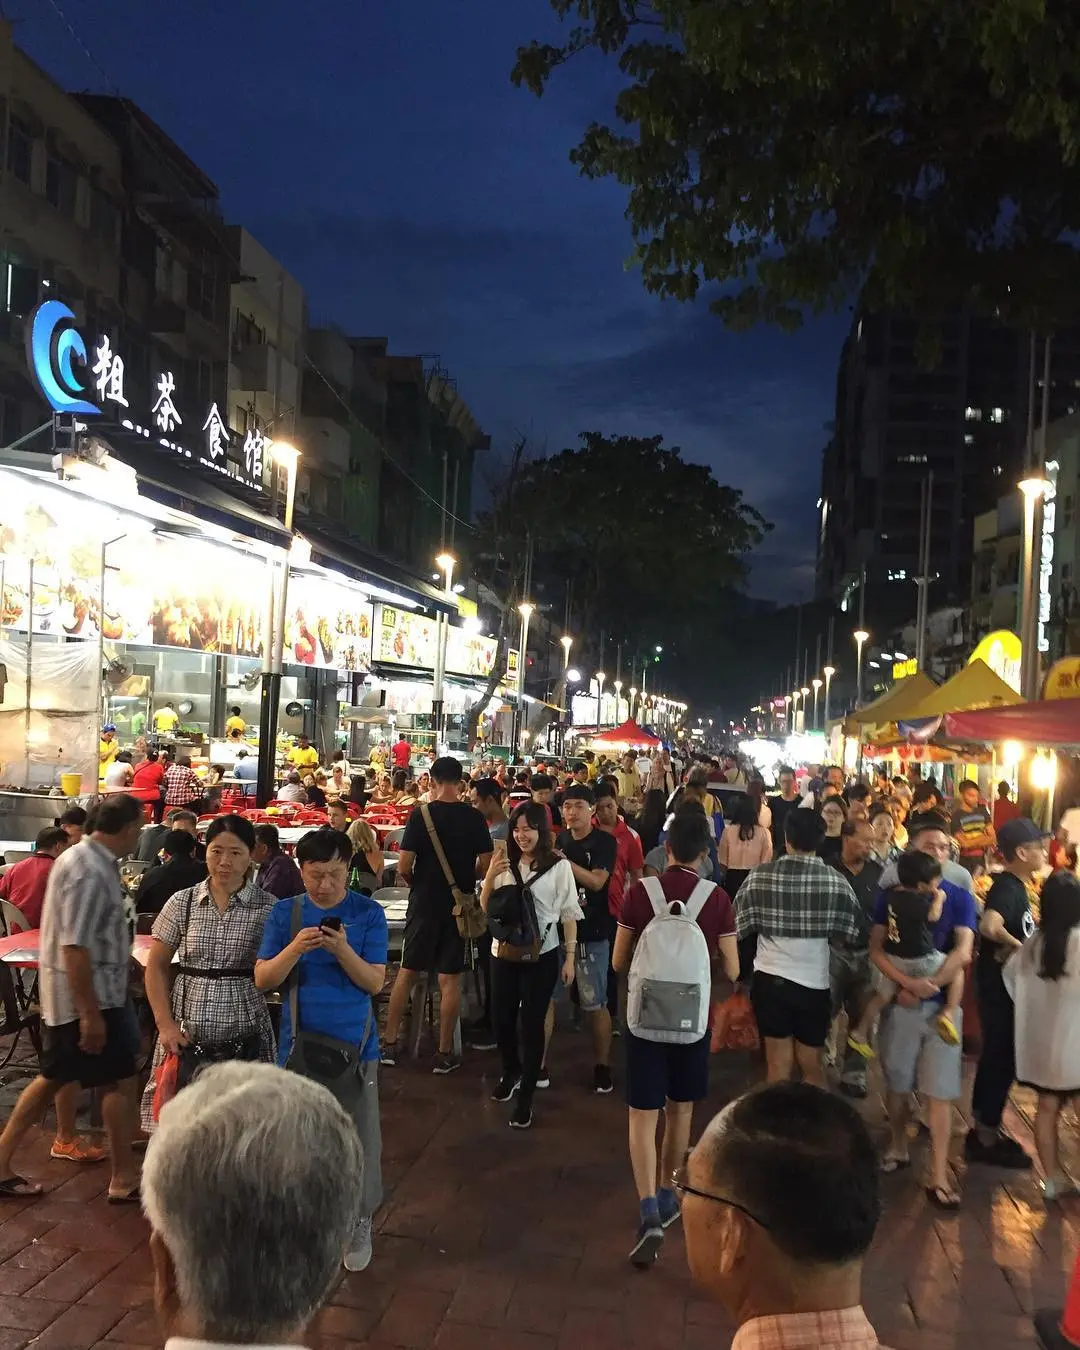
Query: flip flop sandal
[[18, 1188], [890, 1164], [941, 1197], [123, 1197]]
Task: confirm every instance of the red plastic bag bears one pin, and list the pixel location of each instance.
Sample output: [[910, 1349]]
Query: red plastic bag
[[734, 1026], [166, 1077]]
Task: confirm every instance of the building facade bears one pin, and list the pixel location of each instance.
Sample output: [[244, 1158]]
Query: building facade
[[958, 410]]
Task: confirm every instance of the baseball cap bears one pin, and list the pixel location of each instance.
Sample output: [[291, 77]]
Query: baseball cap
[[1015, 833], [109, 726]]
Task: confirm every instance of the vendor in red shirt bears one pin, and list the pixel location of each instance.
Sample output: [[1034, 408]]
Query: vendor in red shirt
[[23, 885], [401, 752], [1005, 809], [147, 780]]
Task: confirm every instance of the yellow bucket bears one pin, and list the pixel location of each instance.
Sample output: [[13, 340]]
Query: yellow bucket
[[71, 784]]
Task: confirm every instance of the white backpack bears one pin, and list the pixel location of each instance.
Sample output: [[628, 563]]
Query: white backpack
[[671, 972]]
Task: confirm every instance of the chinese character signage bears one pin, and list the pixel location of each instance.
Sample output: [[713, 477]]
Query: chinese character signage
[[82, 381], [1063, 679]]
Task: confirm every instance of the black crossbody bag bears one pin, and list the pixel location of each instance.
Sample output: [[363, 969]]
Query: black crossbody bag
[[197, 1054]]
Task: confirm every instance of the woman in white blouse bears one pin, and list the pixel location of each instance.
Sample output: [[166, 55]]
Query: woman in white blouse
[[1043, 978], [523, 987]]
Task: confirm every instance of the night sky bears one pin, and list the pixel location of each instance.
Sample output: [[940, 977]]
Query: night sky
[[378, 148]]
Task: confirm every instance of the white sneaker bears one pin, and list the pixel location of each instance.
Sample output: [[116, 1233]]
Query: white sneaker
[[358, 1254]]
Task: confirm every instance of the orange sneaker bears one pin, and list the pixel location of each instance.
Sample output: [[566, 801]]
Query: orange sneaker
[[77, 1151]]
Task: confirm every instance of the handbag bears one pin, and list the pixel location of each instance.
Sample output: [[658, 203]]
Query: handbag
[[334, 1063], [197, 1054], [468, 913], [512, 919]]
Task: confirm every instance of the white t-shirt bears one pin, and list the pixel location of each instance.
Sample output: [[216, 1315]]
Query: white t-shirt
[[803, 961], [1047, 1017], [117, 774], [555, 896]]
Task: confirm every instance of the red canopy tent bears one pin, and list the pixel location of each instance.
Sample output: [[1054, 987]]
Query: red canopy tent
[[1046, 722], [629, 733]]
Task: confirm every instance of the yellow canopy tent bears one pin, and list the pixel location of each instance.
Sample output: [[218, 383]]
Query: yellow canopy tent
[[973, 686], [893, 705]]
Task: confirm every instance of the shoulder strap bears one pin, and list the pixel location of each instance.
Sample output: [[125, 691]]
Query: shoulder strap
[[294, 974], [656, 895], [436, 844], [696, 900]]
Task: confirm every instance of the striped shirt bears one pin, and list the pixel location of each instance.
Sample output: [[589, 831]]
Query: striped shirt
[[84, 907], [842, 1329]]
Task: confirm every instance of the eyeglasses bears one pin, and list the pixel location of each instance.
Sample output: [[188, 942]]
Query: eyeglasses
[[683, 1188]]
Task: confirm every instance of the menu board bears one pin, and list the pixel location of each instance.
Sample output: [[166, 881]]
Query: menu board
[[161, 588], [406, 639]]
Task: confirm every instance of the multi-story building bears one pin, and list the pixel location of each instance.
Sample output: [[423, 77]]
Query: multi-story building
[[268, 321], [61, 199], [995, 569], [177, 262], [1059, 577], [960, 412]]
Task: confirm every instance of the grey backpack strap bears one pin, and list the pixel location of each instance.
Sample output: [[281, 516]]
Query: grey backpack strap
[[294, 974]]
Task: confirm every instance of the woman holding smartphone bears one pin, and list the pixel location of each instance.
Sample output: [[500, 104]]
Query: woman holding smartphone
[[525, 987], [338, 948]]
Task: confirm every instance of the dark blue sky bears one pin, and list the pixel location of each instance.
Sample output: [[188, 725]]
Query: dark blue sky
[[380, 150]]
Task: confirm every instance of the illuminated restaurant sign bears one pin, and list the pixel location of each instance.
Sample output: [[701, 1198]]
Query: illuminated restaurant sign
[[404, 639], [80, 380], [1046, 555]]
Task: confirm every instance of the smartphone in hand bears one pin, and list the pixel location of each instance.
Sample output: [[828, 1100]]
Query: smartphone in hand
[[334, 923]]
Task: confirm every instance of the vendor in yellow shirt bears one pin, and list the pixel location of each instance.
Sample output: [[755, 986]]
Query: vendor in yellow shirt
[[303, 755], [234, 723], [108, 749], [166, 720]]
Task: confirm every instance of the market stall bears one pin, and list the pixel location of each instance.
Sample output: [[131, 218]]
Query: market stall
[[627, 736]]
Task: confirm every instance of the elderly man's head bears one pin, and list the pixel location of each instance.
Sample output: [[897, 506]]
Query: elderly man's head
[[251, 1185], [781, 1202]]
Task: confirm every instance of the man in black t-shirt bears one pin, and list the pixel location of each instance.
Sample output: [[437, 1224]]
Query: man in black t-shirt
[[591, 854], [849, 962], [1005, 925], [431, 940], [788, 800]]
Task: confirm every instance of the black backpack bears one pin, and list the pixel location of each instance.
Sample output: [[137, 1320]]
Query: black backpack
[[512, 919]]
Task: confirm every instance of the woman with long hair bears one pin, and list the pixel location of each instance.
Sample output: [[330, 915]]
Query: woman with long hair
[[883, 850], [743, 845], [756, 790], [833, 814], [650, 824], [523, 988], [1043, 978], [367, 856]]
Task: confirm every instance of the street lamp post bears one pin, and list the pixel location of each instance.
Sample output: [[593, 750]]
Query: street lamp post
[[446, 563], [633, 700], [525, 610], [817, 690], [567, 642], [288, 457], [1033, 489], [861, 637], [829, 672], [600, 678], [617, 686], [805, 695], [787, 706]]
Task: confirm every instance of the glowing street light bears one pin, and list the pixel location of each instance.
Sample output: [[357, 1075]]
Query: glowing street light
[[862, 637], [817, 690], [828, 672], [567, 642]]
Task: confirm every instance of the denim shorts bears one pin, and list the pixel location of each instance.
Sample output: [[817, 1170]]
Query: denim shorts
[[590, 974]]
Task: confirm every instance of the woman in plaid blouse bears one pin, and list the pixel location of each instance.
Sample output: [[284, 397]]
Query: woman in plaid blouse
[[217, 927]]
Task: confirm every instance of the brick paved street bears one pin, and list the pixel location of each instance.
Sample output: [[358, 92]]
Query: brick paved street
[[519, 1242]]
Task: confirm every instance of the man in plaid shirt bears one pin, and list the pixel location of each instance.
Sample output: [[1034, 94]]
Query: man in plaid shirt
[[181, 784], [793, 906]]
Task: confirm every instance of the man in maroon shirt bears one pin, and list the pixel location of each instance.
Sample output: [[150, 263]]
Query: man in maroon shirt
[[23, 885], [662, 1076]]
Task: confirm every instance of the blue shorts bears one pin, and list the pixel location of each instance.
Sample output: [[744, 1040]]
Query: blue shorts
[[657, 1073], [590, 974]]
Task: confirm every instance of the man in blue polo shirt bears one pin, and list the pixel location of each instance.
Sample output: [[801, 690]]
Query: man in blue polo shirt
[[911, 1051]]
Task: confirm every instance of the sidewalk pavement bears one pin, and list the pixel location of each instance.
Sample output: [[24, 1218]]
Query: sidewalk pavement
[[496, 1239]]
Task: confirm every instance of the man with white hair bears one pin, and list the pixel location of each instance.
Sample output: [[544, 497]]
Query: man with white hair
[[250, 1186]]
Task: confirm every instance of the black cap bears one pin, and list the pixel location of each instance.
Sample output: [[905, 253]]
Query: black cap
[[1015, 833]]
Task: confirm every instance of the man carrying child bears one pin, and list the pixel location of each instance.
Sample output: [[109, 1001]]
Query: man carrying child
[[912, 1047]]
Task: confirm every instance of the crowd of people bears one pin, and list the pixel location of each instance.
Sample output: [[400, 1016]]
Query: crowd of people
[[633, 897]]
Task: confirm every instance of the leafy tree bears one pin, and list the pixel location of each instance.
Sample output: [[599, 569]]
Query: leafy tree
[[796, 152], [649, 541]]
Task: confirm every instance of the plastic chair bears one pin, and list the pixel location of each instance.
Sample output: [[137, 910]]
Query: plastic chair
[[14, 855], [367, 883], [14, 1020], [392, 841], [12, 919]]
